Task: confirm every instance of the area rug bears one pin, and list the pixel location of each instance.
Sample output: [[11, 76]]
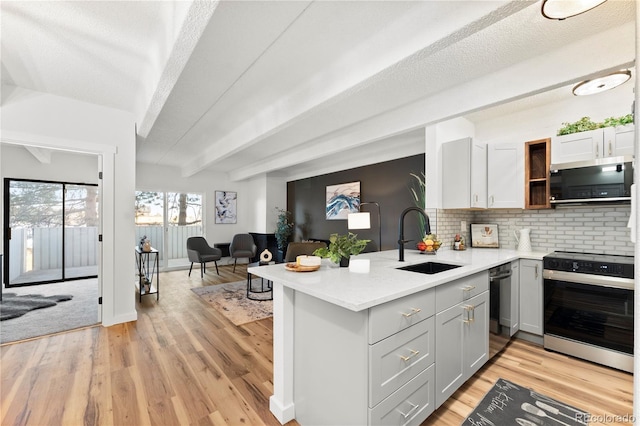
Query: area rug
[[230, 300], [13, 305], [510, 404]]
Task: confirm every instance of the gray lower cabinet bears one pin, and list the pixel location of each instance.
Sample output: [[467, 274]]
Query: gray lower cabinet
[[372, 367], [382, 366], [531, 303], [462, 344]]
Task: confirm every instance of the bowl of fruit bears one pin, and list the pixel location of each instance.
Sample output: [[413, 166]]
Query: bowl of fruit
[[429, 244]]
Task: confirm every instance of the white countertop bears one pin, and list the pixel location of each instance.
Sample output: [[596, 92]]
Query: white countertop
[[372, 278]]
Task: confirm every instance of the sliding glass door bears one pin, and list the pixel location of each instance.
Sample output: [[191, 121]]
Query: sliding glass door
[[52, 232]]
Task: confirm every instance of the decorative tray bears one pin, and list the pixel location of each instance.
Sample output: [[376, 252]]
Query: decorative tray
[[299, 268]]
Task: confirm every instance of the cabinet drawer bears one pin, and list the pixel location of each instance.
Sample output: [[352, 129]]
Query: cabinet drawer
[[394, 316], [398, 358], [410, 405], [460, 290]]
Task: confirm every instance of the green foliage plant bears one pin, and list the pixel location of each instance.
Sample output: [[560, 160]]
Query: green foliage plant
[[342, 246], [585, 124], [284, 228]]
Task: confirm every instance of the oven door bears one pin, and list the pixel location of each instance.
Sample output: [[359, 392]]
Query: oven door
[[591, 309]]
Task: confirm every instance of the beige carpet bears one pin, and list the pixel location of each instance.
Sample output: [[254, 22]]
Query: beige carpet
[[230, 299]]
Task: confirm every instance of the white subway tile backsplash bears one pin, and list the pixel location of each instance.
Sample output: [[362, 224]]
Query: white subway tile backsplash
[[583, 229]]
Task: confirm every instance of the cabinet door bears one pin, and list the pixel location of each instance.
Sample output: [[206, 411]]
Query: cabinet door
[[476, 334], [577, 147], [531, 316], [478, 175], [449, 352], [623, 143], [505, 176], [456, 174]]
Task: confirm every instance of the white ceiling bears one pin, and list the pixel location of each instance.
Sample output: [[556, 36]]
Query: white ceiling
[[296, 87]]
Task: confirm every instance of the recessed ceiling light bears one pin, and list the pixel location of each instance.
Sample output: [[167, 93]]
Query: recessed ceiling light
[[562, 9], [600, 84]]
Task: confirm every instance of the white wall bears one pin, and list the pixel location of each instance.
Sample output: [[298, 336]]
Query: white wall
[[544, 122], [16, 162], [48, 121]]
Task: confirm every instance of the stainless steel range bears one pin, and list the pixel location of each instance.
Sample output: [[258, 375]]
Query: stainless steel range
[[588, 307]]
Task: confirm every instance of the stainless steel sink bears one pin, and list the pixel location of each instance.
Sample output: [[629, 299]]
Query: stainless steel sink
[[429, 267]]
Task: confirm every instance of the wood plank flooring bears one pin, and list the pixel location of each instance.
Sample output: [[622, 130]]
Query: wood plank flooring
[[184, 363]]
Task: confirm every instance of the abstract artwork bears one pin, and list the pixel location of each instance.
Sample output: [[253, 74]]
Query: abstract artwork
[[342, 199], [226, 206]]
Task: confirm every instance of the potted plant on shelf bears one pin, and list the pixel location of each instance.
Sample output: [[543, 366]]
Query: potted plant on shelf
[[284, 228], [341, 248]]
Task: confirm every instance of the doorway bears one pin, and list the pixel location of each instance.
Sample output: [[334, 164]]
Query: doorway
[[52, 232]]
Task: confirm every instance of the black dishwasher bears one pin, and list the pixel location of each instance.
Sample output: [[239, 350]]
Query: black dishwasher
[[502, 299]]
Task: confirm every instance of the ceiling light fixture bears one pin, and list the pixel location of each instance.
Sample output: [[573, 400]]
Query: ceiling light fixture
[[600, 84], [563, 9]]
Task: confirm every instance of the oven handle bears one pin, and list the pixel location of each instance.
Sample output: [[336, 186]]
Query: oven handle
[[589, 279]]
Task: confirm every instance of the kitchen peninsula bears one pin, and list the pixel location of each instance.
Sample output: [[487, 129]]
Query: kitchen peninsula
[[336, 330]]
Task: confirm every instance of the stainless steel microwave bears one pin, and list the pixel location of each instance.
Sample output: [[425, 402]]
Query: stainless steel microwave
[[596, 181]]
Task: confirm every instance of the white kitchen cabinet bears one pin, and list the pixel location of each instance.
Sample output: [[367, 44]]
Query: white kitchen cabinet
[[462, 332], [464, 174], [624, 140], [593, 144], [531, 297], [505, 176]]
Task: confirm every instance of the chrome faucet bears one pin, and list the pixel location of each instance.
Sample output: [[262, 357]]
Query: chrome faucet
[[401, 240]]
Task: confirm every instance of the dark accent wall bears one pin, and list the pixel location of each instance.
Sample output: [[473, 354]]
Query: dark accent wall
[[386, 183]]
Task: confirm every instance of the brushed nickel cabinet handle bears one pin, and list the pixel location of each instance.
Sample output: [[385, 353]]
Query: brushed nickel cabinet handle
[[467, 310], [413, 312], [610, 149], [407, 358], [414, 407]]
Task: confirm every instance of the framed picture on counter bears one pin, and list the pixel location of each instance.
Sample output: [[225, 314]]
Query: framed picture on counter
[[484, 235]]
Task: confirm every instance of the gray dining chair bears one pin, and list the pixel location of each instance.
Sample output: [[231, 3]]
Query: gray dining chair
[[242, 245], [200, 252]]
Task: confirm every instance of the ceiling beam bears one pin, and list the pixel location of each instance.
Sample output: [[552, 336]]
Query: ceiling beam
[[552, 70], [356, 69], [194, 24]]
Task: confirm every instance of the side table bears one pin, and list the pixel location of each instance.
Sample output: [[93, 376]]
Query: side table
[[148, 264], [264, 287]]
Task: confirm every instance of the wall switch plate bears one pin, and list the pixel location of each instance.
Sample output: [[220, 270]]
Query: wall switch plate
[[463, 226]]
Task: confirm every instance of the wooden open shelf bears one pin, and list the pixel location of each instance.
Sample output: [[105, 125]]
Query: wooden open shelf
[[537, 157]]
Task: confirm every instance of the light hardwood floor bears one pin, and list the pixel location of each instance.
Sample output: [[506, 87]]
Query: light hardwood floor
[[184, 363]]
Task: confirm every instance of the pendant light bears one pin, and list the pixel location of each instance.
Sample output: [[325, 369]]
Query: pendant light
[[600, 84], [563, 9]]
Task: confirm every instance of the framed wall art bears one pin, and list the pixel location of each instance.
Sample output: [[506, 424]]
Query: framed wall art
[[226, 206], [484, 235], [342, 199]]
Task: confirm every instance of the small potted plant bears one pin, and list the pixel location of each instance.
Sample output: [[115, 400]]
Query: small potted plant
[[341, 248], [284, 228]]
